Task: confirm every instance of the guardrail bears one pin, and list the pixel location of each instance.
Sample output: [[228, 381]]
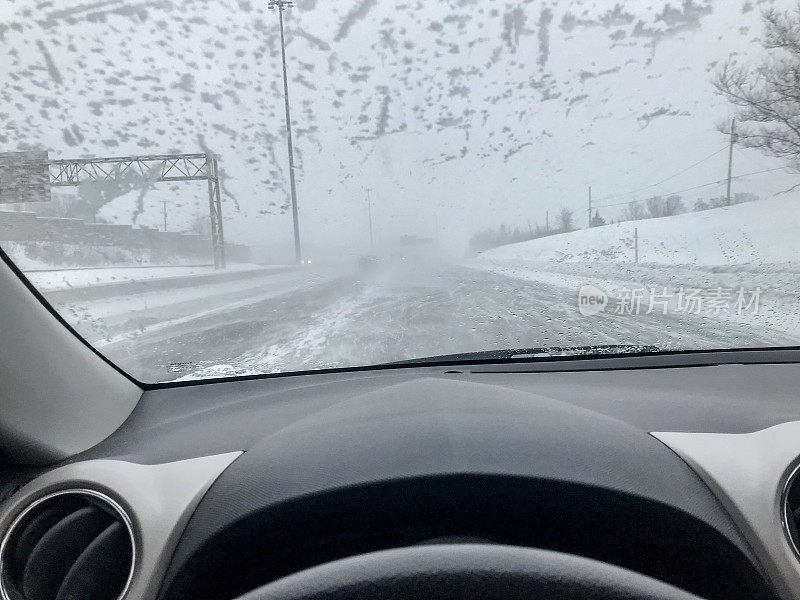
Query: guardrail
[[127, 288]]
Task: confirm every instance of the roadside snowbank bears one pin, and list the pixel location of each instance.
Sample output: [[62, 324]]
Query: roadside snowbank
[[767, 231], [59, 279], [749, 247]]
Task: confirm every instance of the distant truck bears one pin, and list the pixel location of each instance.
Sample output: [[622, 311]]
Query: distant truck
[[413, 240]]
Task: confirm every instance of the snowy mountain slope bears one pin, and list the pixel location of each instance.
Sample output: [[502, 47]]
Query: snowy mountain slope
[[755, 233], [455, 108]]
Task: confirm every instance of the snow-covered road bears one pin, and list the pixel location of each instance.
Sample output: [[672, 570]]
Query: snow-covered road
[[325, 317]]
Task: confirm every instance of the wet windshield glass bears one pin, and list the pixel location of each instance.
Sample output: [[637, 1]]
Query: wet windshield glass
[[215, 188]]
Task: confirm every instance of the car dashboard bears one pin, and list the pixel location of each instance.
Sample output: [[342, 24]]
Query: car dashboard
[[683, 474]]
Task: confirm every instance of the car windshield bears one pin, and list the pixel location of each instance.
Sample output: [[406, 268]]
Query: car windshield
[[217, 188]]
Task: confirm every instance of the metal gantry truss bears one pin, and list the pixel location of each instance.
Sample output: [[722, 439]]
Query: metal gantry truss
[[165, 167]]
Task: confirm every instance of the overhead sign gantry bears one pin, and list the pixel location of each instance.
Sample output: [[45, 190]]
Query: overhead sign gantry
[[28, 177]]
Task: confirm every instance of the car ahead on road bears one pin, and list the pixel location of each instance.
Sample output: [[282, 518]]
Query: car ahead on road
[[368, 262]]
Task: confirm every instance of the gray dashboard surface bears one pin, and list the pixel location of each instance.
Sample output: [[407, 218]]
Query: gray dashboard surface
[[183, 422]]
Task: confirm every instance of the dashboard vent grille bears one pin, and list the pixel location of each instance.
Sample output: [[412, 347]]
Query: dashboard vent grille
[[791, 510], [68, 546]]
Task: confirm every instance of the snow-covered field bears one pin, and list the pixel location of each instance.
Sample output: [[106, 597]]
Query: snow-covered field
[[753, 247]]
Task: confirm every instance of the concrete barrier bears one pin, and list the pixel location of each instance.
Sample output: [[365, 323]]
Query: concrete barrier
[[27, 227]]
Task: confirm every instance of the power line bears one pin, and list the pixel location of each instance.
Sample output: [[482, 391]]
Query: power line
[[681, 172], [697, 187]]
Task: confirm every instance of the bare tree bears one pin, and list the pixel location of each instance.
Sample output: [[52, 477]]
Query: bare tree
[[767, 96], [633, 211], [658, 206], [565, 219]]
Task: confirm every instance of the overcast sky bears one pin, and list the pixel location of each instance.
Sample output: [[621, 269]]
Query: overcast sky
[[461, 112]]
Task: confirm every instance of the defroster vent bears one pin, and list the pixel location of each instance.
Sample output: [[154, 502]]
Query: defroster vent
[[791, 510], [72, 545]]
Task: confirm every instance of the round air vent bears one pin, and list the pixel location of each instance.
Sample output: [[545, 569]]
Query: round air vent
[[791, 510], [71, 545]]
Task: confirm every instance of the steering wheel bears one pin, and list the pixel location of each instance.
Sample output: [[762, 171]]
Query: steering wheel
[[467, 572]]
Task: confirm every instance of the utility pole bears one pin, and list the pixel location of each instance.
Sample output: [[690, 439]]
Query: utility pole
[[730, 160], [281, 5], [369, 214], [636, 244], [590, 207], [164, 203], [547, 221]]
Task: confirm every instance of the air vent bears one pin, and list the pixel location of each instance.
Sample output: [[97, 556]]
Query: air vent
[[70, 545], [791, 510]]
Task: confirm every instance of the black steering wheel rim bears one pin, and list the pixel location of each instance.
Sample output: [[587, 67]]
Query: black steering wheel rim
[[467, 572]]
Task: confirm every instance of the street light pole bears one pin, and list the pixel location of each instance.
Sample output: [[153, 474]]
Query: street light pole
[[369, 215], [281, 5]]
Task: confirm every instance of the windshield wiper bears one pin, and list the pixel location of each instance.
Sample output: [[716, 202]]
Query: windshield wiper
[[531, 353]]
